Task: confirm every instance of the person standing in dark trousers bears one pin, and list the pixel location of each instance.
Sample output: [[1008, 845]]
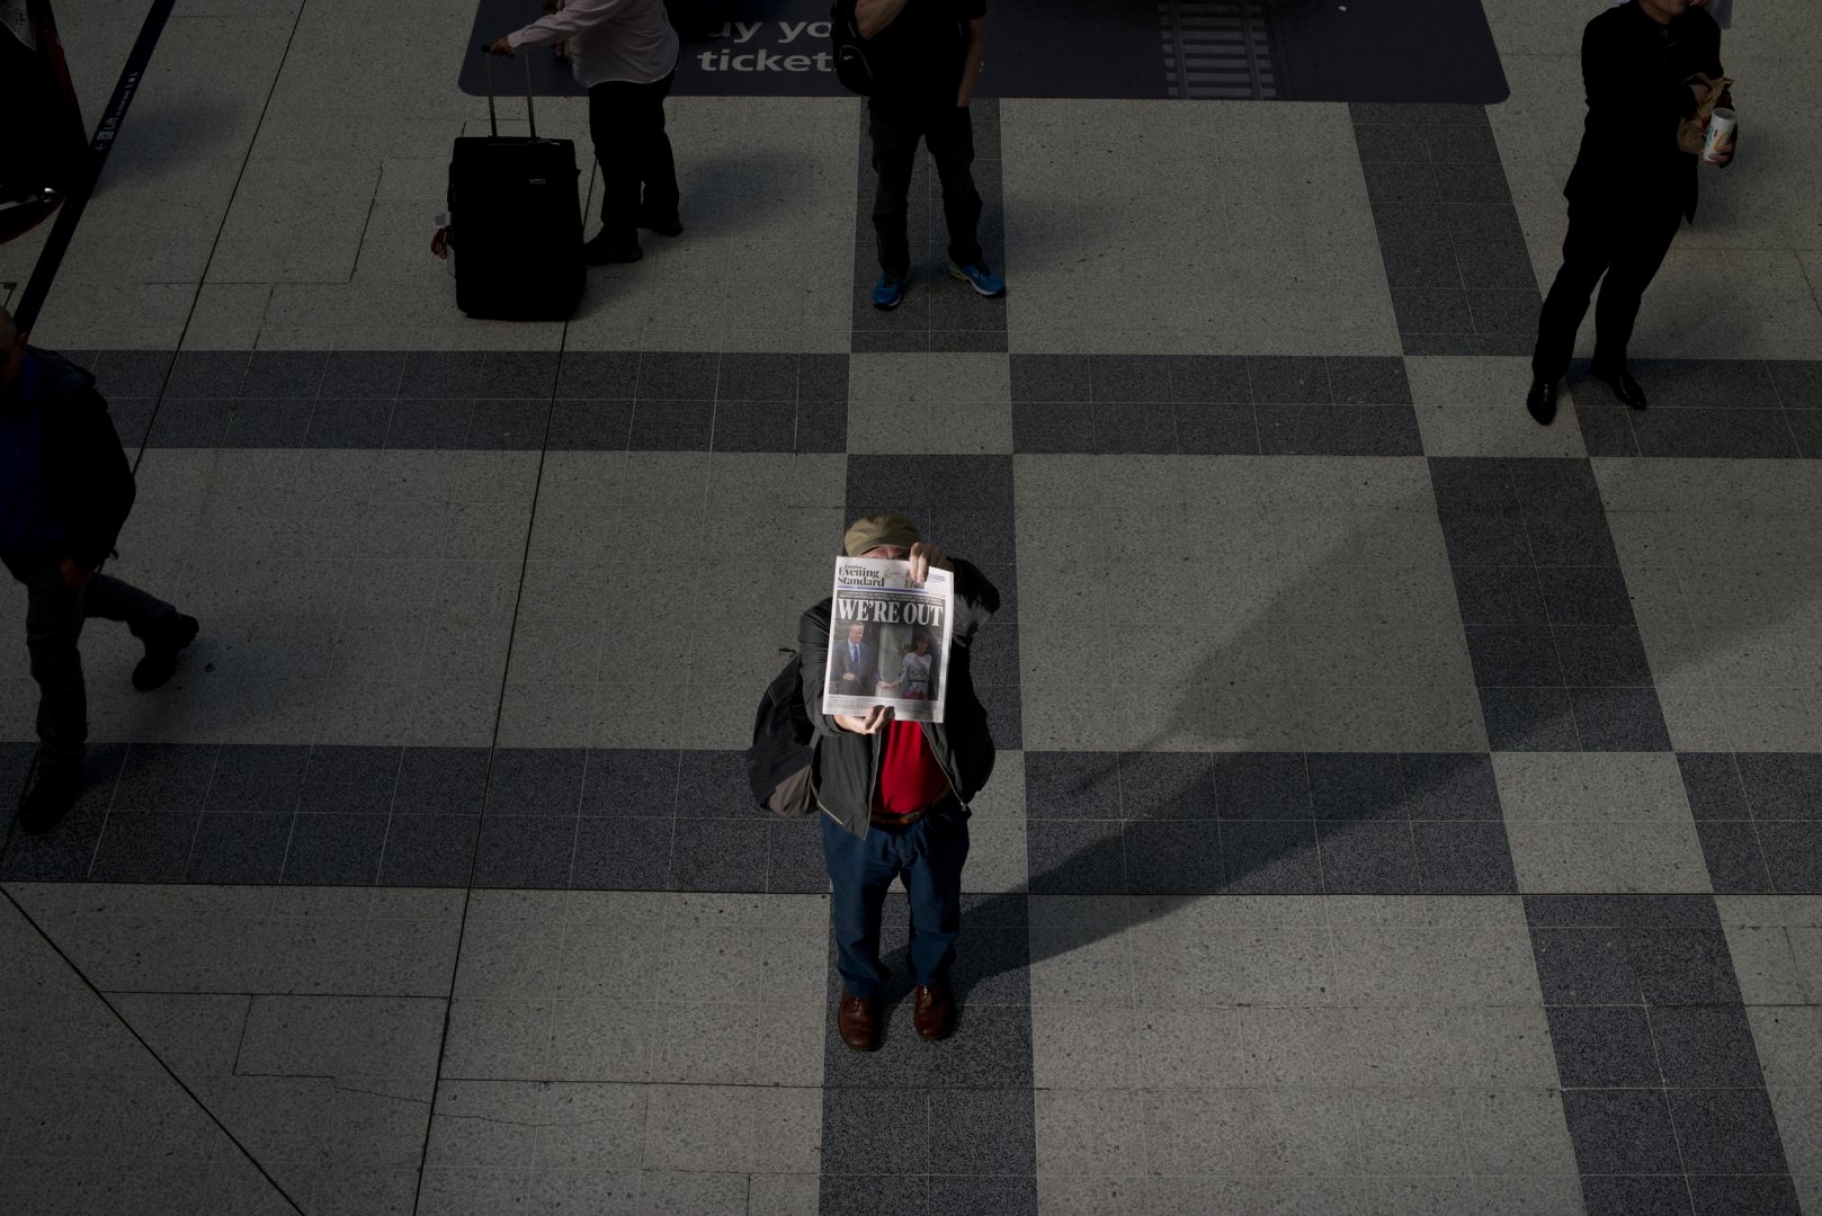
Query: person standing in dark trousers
[[894, 798], [624, 52], [65, 491], [926, 56], [1631, 187]]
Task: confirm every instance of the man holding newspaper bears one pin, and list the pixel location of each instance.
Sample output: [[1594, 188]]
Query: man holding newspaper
[[895, 770]]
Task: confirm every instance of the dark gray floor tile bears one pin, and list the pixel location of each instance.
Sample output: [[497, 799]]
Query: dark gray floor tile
[[1806, 427], [335, 850], [1420, 264], [1076, 857], [1387, 143], [1500, 595], [1481, 222], [1052, 427], [875, 341], [284, 373], [1130, 428], [1338, 430], [994, 654], [1162, 785], [348, 423], [1464, 858], [207, 373], [1470, 182], [1713, 785], [1004, 719], [1603, 1047], [1500, 275], [1590, 595], [1683, 912], [1271, 857], [518, 373], [1216, 430], [1355, 785], [429, 850], [1793, 850], [992, 965], [1210, 379], [1470, 484], [1174, 858], [259, 777], [1512, 345], [1129, 378], [508, 426], [1503, 312], [1289, 379], [714, 785], [874, 1194], [821, 377], [1744, 1195], [132, 420], [1261, 785], [1606, 429], [1454, 143], [1780, 785], [1408, 182], [1727, 1131], [1798, 382], [351, 779], [1507, 656], [1072, 785], [1484, 538], [1619, 720], [1449, 786], [1706, 1045], [670, 425], [441, 781], [144, 846], [1584, 966], [268, 423], [1617, 1131], [439, 424], [241, 848], [132, 373], [599, 375], [1636, 1195], [794, 860], [1735, 859], [442, 374], [822, 426], [670, 375], [536, 781], [1714, 432], [1003, 1195], [1050, 378], [1432, 310], [757, 377], [1683, 966], [1570, 539], [165, 777], [525, 851], [632, 782], [62, 855], [872, 1141], [1368, 380], [362, 373], [983, 1132], [1368, 858], [1602, 656], [590, 426], [754, 426], [624, 854], [1718, 383], [190, 422]]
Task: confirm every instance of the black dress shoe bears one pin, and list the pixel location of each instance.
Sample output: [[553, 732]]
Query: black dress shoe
[[599, 253], [1621, 382], [50, 792], [1541, 400]]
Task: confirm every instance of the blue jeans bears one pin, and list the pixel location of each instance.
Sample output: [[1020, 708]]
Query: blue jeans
[[929, 854]]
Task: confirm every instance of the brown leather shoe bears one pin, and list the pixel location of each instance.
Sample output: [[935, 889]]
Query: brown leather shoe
[[935, 1012], [857, 1017]]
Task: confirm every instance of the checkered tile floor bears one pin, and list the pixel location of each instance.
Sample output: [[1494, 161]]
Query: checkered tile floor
[[1401, 808]]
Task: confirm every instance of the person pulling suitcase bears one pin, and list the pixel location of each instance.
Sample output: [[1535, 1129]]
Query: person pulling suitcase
[[624, 52]]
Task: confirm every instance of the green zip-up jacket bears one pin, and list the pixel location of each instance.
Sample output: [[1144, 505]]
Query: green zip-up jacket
[[847, 765]]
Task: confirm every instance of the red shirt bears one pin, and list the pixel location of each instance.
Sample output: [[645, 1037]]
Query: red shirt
[[910, 779]]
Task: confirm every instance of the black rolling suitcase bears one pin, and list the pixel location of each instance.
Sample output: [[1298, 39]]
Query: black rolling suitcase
[[515, 227]]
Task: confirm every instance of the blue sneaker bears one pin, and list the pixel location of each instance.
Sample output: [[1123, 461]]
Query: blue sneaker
[[889, 292], [976, 275]]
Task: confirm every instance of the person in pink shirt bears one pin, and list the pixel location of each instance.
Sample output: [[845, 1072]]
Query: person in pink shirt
[[624, 52]]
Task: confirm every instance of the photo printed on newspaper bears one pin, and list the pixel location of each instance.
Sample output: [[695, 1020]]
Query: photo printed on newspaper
[[889, 640]]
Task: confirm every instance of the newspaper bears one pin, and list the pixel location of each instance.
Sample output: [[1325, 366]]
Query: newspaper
[[888, 640]]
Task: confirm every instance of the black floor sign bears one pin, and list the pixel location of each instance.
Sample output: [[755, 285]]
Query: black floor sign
[[1302, 50]]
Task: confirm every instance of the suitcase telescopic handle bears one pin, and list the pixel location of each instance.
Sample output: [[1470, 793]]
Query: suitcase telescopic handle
[[531, 114]]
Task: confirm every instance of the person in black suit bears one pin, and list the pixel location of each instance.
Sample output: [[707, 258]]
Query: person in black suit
[[852, 666], [1631, 187]]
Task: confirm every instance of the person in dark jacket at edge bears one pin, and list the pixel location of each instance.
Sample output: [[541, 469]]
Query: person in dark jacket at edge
[[1631, 188], [894, 798], [65, 491]]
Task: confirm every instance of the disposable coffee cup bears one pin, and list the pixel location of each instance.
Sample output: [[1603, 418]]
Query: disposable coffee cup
[[1720, 132]]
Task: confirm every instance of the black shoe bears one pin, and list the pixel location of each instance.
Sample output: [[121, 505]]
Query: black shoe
[[1621, 382], [599, 253], [161, 655], [1541, 400], [50, 792], [667, 225]]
